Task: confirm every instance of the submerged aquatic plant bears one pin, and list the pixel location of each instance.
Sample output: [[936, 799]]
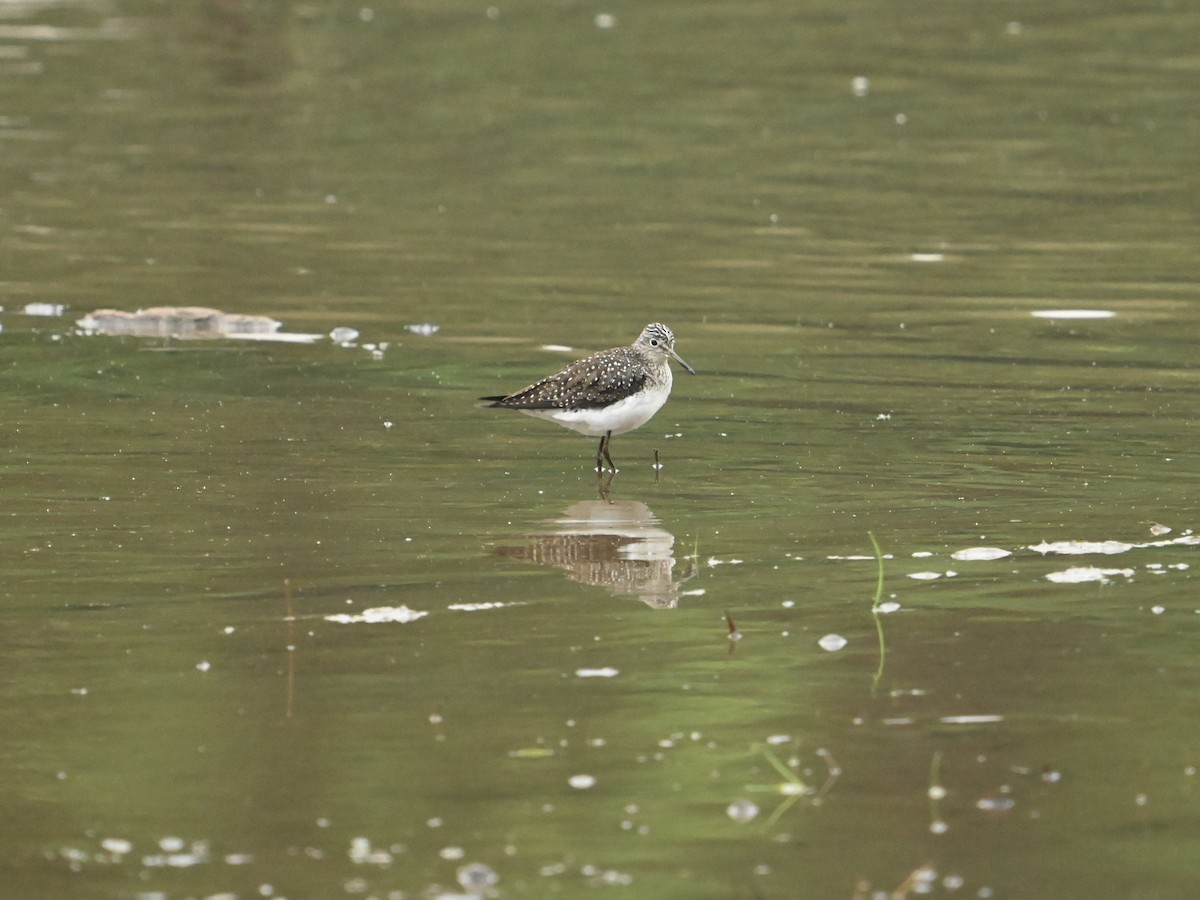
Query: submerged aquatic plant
[[792, 788]]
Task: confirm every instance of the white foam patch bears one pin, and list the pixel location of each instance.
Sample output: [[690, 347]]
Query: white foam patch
[[1082, 547], [379, 615], [605, 672], [1073, 313], [980, 553], [1081, 574]]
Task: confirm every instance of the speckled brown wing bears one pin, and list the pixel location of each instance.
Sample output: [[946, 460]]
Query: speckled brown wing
[[592, 382]]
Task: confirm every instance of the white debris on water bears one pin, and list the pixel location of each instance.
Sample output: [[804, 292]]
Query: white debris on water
[[277, 337], [742, 811], [980, 553], [344, 336], [378, 615], [1081, 547], [188, 323], [605, 672], [1073, 313], [1081, 574], [177, 854], [44, 309], [477, 877], [1109, 548], [423, 329], [363, 854], [832, 643]]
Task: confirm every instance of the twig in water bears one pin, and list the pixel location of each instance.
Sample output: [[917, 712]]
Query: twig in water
[[875, 613], [734, 634], [919, 881], [879, 566]]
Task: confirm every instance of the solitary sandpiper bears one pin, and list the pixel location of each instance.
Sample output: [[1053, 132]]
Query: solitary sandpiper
[[607, 393]]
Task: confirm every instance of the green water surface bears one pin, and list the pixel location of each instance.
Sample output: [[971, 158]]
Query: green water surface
[[855, 216]]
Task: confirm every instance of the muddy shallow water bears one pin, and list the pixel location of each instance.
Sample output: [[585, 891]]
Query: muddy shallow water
[[291, 620]]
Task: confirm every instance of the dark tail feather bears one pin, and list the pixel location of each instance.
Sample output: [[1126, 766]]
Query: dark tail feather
[[491, 402]]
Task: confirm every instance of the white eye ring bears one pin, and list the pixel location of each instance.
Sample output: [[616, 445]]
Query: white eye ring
[[653, 342]]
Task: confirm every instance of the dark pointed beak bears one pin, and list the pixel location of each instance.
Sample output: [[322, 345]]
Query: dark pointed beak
[[679, 359]]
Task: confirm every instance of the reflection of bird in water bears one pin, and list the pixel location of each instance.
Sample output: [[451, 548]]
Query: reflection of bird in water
[[607, 393], [616, 545]]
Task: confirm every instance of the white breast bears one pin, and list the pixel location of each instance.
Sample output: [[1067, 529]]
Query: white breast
[[624, 415]]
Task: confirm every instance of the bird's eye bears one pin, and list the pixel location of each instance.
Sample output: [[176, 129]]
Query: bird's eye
[[653, 342]]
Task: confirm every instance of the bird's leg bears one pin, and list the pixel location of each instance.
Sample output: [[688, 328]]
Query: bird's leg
[[604, 485], [600, 454], [604, 444]]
